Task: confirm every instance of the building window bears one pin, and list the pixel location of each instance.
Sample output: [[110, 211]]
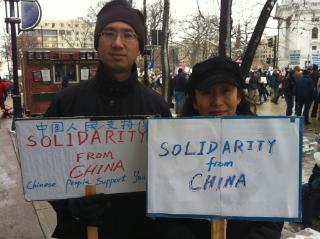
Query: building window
[[314, 47], [49, 32], [314, 33], [61, 25], [65, 71]]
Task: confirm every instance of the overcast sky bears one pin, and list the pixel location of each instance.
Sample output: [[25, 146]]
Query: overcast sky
[[180, 9], [70, 9]]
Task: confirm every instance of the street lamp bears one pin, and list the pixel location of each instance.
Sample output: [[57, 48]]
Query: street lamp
[[31, 15], [12, 20], [276, 52]]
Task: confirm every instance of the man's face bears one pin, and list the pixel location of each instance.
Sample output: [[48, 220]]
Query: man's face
[[119, 52]]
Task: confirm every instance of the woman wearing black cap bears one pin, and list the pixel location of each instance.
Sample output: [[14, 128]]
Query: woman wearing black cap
[[215, 89], [214, 77]]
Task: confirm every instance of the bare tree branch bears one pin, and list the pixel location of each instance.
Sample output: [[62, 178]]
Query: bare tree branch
[[199, 10], [256, 36], [198, 37]]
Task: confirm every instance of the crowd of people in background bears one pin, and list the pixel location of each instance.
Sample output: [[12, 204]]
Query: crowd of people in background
[[299, 88], [177, 86]]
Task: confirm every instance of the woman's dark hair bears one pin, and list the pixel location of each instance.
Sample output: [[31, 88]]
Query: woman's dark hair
[[290, 74], [208, 73], [245, 107]]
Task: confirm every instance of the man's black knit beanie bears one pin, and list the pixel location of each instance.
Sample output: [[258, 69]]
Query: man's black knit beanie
[[120, 10]]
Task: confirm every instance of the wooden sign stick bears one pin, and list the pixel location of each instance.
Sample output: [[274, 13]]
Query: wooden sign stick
[[218, 229], [92, 231]]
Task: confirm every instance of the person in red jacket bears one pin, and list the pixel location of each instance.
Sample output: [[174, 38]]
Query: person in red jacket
[[3, 89]]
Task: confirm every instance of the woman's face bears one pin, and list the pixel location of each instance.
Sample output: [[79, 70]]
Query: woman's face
[[219, 100]]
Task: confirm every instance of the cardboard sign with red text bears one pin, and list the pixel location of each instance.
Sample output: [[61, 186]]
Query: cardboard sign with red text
[[59, 157]]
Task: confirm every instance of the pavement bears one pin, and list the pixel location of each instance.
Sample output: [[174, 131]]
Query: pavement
[[21, 219]]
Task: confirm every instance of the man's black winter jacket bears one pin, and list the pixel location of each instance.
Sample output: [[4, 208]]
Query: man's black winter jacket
[[106, 97], [124, 215]]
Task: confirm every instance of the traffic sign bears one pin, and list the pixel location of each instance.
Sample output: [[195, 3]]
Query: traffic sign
[[30, 14]]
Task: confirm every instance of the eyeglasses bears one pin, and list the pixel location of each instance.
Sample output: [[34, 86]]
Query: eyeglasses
[[125, 36]]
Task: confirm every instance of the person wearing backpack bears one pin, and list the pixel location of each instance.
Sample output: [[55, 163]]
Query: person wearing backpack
[[305, 90], [289, 89], [179, 85], [274, 84], [254, 85], [315, 77]]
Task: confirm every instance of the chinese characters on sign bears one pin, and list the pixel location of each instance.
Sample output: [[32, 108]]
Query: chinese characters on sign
[[60, 157]]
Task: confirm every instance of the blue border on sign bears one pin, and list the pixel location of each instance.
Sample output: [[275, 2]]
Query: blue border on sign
[[275, 219], [210, 217]]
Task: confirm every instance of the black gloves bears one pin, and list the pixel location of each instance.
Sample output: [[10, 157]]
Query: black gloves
[[89, 210]]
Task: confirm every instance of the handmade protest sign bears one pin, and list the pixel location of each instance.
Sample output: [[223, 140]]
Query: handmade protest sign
[[246, 167], [59, 157]]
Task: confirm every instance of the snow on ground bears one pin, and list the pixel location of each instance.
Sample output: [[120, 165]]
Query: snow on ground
[[306, 233], [296, 230]]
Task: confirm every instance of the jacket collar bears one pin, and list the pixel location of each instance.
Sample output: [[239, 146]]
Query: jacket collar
[[108, 86]]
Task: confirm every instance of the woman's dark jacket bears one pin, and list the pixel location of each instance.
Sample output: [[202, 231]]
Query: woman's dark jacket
[[124, 216]]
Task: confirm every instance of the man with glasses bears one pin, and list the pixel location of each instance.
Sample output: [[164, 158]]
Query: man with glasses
[[119, 38]]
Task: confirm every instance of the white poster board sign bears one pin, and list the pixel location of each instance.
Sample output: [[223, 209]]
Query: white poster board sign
[[294, 57], [60, 157], [263, 80], [228, 167], [315, 57], [84, 73], [45, 75]]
